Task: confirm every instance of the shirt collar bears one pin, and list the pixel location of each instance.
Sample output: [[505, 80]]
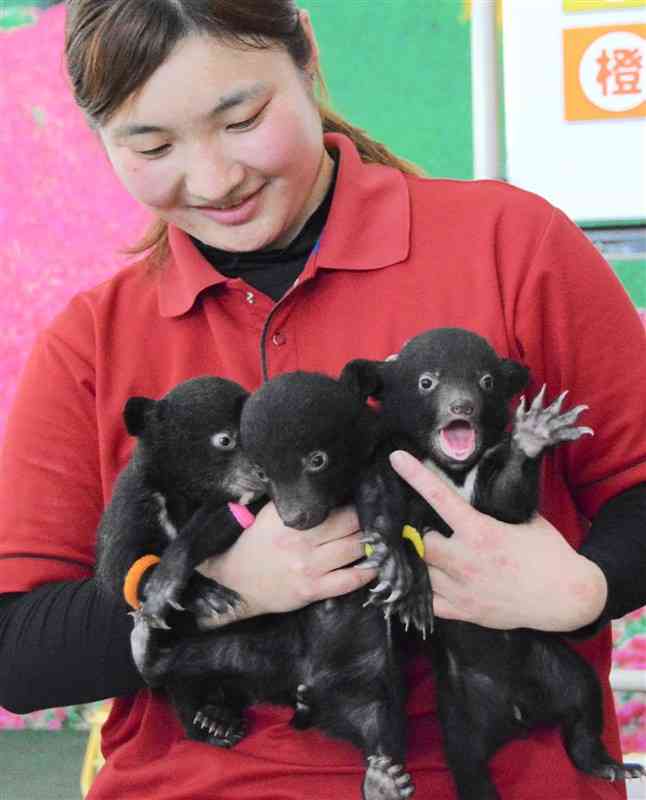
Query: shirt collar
[[369, 222], [368, 228]]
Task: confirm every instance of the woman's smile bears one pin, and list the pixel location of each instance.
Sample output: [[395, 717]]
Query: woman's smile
[[236, 212]]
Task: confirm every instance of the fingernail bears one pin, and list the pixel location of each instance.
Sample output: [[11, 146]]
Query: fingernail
[[398, 458]]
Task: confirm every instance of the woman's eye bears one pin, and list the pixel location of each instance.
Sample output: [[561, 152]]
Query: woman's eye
[[155, 151], [223, 441], [316, 461], [246, 123]]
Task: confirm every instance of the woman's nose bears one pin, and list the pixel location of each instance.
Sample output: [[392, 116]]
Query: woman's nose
[[212, 175]]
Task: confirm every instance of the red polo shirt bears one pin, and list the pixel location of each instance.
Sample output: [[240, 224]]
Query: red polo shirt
[[398, 255]]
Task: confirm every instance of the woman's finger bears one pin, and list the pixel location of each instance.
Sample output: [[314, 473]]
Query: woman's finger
[[440, 551], [340, 582], [445, 500], [340, 523], [336, 554]]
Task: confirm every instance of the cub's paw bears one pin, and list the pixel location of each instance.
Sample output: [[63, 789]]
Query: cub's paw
[[416, 608], [218, 725], [386, 781], [538, 427], [394, 575], [150, 658], [302, 718], [210, 603], [162, 593], [614, 771]]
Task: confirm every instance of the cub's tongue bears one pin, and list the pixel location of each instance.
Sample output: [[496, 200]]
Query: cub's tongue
[[458, 440]]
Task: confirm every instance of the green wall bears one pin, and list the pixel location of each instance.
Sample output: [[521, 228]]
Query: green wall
[[400, 69], [632, 274]]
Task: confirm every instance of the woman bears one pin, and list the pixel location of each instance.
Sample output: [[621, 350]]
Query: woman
[[288, 239]]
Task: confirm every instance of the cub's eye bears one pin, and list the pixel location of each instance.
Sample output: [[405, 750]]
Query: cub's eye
[[427, 382], [260, 473], [316, 461], [223, 441], [486, 382]]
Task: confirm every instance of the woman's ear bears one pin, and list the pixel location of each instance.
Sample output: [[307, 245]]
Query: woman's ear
[[312, 67]]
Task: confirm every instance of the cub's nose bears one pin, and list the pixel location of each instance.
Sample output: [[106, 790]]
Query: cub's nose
[[300, 521], [462, 407]]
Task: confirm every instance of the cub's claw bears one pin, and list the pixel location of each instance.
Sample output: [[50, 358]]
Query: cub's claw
[[219, 726], [539, 427], [620, 772], [386, 781], [417, 611], [150, 658], [208, 601], [394, 576], [154, 610], [416, 608], [162, 592]]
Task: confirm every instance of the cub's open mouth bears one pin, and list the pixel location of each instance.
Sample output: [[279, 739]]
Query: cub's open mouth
[[458, 440]]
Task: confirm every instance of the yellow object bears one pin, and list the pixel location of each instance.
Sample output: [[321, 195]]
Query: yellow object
[[93, 759], [133, 578], [467, 8], [601, 5], [408, 532], [414, 536]]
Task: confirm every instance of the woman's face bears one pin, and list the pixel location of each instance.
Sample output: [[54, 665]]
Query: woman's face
[[224, 143]]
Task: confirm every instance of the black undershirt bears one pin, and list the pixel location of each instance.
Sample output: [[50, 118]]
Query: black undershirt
[[273, 272], [67, 642]]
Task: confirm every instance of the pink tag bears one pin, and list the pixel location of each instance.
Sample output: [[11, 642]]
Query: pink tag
[[243, 516]]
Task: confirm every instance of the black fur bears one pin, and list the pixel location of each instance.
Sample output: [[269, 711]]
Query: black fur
[[170, 500], [333, 661], [445, 399]]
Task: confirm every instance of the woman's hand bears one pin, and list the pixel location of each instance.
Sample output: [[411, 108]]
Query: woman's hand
[[500, 575], [276, 569]]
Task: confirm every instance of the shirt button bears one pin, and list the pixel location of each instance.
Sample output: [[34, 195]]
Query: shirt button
[[279, 339], [250, 297]]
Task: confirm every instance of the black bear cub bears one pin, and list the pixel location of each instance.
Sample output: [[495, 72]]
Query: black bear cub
[[334, 661], [170, 501], [445, 398]]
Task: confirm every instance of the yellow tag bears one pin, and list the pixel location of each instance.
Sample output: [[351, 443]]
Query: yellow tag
[[411, 533], [408, 532]]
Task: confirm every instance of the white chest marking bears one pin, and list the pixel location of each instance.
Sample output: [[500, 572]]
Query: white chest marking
[[466, 490], [164, 520]]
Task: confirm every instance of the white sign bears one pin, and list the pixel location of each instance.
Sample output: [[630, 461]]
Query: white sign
[[575, 107]]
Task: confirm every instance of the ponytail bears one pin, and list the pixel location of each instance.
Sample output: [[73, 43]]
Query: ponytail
[[370, 151]]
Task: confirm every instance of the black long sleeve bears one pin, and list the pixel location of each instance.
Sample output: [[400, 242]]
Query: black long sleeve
[[62, 644], [617, 543]]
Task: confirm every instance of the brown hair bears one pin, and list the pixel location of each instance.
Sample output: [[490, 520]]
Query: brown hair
[[134, 37]]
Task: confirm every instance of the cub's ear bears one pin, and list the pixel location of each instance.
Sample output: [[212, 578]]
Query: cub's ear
[[136, 414], [239, 405], [516, 376], [364, 378]]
